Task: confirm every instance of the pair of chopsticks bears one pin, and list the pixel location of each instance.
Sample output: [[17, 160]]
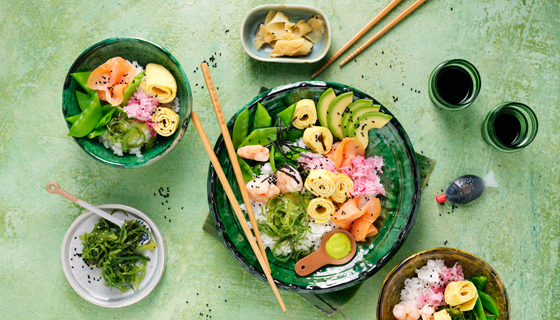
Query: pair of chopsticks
[[259, 249], [378, 35]]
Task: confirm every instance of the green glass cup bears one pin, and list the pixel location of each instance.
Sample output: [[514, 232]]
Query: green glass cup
[[510, 127], [454, 84]]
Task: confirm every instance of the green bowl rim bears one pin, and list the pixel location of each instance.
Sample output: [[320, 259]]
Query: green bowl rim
[[212, 180], [443, 249], [184, 125]]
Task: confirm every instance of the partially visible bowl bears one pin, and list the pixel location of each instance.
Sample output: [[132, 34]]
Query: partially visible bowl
[[294, 13], [144, 52], [87, 282], [472, 266]]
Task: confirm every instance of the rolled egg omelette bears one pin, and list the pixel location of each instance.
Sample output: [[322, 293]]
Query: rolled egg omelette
[[165, 121], [320, 210], [342, 187], [318, 139], [462, 294], [321, 182], [160, 83], [305, 114]]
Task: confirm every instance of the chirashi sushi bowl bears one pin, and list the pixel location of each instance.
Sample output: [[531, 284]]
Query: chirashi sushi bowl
[[424, 281], [136, 54], [399, 200]]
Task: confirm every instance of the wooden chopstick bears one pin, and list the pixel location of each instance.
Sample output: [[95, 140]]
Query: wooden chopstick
[[235, 204], [385, 29], [358, 35], [233, 157]]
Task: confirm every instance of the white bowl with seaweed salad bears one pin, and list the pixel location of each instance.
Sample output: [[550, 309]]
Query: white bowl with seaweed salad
[[147, 262]]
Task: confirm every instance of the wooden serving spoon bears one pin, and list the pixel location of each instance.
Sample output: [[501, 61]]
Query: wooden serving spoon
[[320, 258], [54, 188]]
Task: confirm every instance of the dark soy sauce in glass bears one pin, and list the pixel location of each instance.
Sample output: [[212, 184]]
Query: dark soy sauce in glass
[[454, 85], [507, 128]]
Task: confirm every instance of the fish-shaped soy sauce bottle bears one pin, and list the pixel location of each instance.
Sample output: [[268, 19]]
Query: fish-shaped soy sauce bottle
[[467, 188]]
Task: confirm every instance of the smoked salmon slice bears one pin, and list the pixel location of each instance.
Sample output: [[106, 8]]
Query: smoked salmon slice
[[361, 227], [111, 79], [347, 151], [347, 213], [330, 154]]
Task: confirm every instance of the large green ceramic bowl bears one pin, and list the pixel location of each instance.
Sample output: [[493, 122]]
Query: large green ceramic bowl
[[472, 266], [144, 52], [400, 178]]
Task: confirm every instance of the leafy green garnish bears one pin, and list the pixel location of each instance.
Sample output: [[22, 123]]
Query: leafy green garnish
[[115, 251], [456, 314], [286, 220]]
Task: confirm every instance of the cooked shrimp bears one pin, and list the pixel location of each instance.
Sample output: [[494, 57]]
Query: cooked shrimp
[[406, 311], [398, 312], [411, 311], [427, 312], [262, 189], [288, 180], [256, 152]]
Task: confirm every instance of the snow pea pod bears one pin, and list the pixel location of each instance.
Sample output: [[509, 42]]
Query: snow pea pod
[[272, 161], [490, 317], [73, 119], [261, 137], [105, 119], [293, 135], [96, 132], [240, 128], [245, 169], [82, 78], [488, 303], [88, 119], [131, 89], [479, 282], [479, 310], [262, 118], [83, 100], [287, 114]]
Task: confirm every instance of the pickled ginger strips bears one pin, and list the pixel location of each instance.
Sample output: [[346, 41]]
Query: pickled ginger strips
[[287, 38]]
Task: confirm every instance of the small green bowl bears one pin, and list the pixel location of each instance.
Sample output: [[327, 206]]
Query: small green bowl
[[144, 52], [472, 266]]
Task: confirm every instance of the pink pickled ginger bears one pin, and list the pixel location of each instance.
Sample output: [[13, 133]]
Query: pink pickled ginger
[[141, 106]]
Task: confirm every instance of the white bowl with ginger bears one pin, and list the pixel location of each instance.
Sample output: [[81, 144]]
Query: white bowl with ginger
[[286, 34]]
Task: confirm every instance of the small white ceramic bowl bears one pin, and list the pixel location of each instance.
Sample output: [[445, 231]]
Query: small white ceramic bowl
[[87, 281], [256, 17]]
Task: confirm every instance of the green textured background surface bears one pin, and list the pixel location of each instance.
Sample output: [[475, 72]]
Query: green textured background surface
[[514, 44]]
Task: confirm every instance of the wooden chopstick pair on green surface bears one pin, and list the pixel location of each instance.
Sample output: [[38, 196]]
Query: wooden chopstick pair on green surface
[[378, 35], [259, 248]]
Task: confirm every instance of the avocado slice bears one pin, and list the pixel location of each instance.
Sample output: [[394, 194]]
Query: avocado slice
[[336, 111], [350, 109], [368, 121], [323, 106], [356, 113]]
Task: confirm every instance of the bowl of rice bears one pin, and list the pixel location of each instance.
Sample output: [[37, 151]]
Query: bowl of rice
[[139, 53], [411, 279]]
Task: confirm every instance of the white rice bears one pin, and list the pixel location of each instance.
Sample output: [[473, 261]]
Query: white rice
[[427, 275], [266, 169], [117, 147], [138, 67], [173, 104], [299, 143]]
